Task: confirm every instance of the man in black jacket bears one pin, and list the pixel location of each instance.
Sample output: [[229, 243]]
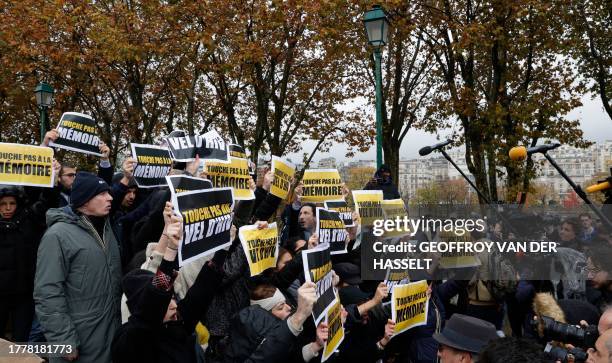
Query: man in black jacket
[[382, 180], [160, 329]]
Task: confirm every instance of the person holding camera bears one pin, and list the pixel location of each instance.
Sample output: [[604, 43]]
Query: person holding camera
[[383, 180]]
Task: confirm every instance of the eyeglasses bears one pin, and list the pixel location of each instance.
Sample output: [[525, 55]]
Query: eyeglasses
[[70, 175], [593, 270]]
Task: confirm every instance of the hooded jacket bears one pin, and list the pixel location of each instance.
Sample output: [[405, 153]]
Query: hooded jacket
[[77, 286], [19, 238]]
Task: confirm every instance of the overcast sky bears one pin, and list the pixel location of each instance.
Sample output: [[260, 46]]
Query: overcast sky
[[595, 123]]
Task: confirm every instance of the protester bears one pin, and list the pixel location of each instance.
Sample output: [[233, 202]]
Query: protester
[[265, 331], [463, 338], [78, 272], [569, 230], [160, 328], [599, 289], [211, 308], [21, 228]]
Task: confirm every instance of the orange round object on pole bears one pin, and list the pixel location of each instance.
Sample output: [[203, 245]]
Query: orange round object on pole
[[518, 153]]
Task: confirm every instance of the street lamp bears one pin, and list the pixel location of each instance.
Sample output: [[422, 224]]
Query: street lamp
[[377, 27], [44, 98]]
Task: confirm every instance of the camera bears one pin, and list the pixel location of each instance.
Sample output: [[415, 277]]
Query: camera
[[567, 333], [563, 355]]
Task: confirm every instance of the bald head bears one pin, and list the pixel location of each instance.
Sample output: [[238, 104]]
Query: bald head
[[605, 321], [603, 349]]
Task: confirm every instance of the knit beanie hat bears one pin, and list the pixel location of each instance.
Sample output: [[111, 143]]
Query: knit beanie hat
[[85, 187]]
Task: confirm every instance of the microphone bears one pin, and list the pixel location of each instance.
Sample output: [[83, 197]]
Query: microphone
[[598, 187], [428, 149], [519, 153]]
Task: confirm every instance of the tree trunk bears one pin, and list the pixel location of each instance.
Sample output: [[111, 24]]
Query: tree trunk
[[391, 157]]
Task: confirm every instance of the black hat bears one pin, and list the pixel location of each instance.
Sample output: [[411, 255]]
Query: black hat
[[384, 168], [85, 187], [10, 191], [134, 284], [466, 333], [348, 272]]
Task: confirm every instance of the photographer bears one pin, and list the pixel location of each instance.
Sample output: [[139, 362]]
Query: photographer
[[382, 180]]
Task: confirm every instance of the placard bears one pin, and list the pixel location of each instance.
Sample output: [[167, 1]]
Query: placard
[[153, 163], [77, 132], [209, 146], [283, 172], [333, 319], [207, 220], [26, 165], [342, 207], [409, 304], [321, 185], [318, 269], [450, 260], [185, 183], [393, 209], [260, 247], [330, 229], [234, 174], [237, 151], [368, 204]]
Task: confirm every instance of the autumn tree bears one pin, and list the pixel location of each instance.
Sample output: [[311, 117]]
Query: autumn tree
[[589, 31], [358, 177], [503, 78], [277, 73], [407, 81]]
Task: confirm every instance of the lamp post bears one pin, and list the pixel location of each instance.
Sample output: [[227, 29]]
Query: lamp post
[[377, 28], [44, 98]]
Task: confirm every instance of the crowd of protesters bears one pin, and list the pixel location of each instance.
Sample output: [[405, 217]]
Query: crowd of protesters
[[92, 263]]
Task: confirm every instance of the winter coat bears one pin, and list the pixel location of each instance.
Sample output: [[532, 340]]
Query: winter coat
[[387, 186], [19, 238], [146, 338], [259, 336], [77, 285]]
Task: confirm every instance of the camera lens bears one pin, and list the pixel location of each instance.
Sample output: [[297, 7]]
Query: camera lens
[[569, 334], [563, 355]]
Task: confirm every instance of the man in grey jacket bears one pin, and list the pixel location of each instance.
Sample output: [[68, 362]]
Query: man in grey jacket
[[77, 286]]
